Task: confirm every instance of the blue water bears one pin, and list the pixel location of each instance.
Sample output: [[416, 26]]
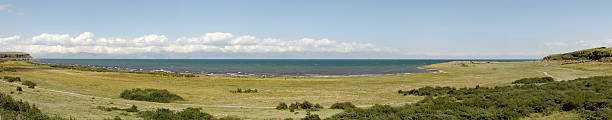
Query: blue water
[[260, 67]]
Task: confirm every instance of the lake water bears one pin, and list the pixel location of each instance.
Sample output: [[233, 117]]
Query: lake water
[[267, 67]]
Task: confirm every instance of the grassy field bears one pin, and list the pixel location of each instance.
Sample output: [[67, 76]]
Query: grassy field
[[72, 93]]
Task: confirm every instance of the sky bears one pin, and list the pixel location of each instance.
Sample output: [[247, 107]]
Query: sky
[[286, 29]]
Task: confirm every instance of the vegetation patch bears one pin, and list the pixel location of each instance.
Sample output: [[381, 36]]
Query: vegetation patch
[[8, 69], [240, 90], [167, 114], [343, 105], [130, 109], [151, 95], [12, 109], [11, 79], [588, 96], [30, 84], [304, 105], [601, 53], [534, 80], [428, 91]]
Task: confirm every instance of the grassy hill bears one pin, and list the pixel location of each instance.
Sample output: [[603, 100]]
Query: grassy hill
[[14, 56], [601, 54]]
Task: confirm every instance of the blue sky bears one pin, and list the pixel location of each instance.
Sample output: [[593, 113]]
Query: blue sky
[[384, 29]]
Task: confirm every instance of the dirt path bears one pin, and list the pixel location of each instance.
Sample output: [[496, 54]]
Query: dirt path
[[545, 73]]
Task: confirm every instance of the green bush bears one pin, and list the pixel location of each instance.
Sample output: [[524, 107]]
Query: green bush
[[311, 117], [590, 97], [343, 105], [282, 106], [306, 105], [152, 95], [11, 79], [230, 118], [11, 109], [587, 54], [166, 114], [240, 90], [19, 89], [9, 69], [30, 84], [427, 91], [534, 80], [132, 109]]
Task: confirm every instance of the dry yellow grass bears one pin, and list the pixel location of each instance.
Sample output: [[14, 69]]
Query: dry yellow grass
[[213, 94]]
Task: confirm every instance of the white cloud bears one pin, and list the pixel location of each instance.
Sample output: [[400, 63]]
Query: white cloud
[[596, 43], [209, 42], [556, 44], [10, 9]]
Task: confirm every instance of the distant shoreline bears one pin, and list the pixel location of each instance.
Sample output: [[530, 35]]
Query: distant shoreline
[[168, 69]]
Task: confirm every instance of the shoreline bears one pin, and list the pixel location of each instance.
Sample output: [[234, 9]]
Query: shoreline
[[244, 74], [228, 74]]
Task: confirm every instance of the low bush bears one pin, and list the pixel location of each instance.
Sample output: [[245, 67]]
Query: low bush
[[11, 79], [534, 80], [311, 117], [304, 105], [343, 105], [240, 90], [166, 114], [152, 95], [130, 109], [427, 91], [12, 109], [19, 89], [589, 97], [282, 106], [9, 69], [30, 84]]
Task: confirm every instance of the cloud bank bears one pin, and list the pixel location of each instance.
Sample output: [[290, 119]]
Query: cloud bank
[[150, 44]]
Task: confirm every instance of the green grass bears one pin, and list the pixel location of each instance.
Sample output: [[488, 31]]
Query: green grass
[[602, 54], [212, 92]]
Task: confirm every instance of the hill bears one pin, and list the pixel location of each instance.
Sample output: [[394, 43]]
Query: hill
[[600, 54], [15, 56]]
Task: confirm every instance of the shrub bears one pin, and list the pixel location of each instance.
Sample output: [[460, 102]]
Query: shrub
[[306, 105], [152, 95], [427, 91], [11, 79], [19, 89], [282, 106], [11, 108], [534, 80], [297, 105], [343, 105], [166, 114], [132, 109], [229, 118], [240, 90], [30, 84], [9, 69], [590, 97], [318, 106], [311, 117]]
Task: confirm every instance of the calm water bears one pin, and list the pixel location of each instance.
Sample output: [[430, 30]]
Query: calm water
[[259, 67]]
